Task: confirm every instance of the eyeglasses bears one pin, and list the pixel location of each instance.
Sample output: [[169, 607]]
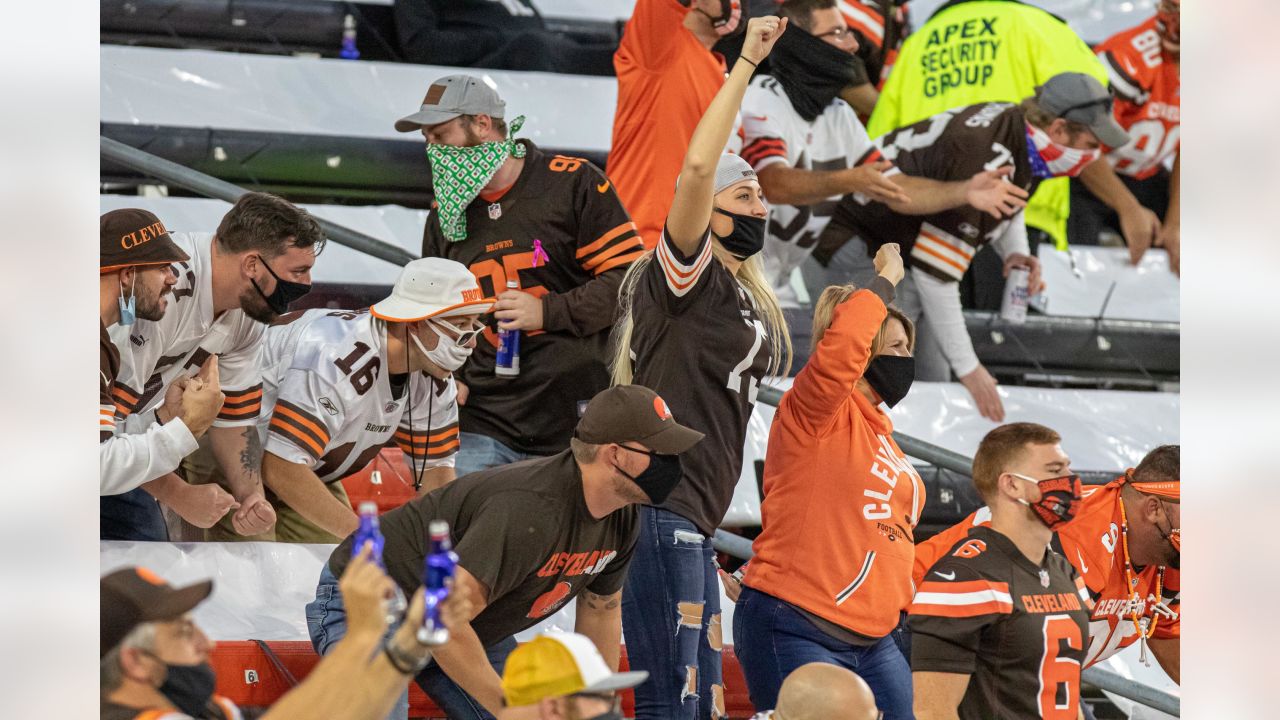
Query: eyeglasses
[[460, 335], [842, 35]]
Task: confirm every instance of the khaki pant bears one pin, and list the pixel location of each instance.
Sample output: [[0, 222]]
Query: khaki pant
[[200, 468]]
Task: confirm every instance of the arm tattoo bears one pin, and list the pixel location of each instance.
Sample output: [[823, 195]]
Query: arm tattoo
[[602, 602], [251, 455]]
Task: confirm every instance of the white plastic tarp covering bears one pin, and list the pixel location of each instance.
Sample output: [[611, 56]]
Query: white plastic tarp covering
[[337, 264], [1101, 429], [600, 10], [315, 96], [1090, 281]]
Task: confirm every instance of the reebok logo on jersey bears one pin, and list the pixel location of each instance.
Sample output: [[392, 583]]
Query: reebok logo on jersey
[[328, 405]]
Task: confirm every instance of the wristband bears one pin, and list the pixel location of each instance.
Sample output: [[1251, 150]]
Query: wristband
[[745, 59], [404, 663]]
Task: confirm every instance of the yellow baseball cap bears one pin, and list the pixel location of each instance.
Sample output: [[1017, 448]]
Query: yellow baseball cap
[[559, 664]]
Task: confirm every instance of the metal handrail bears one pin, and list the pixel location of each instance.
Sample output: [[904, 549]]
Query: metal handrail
[[1102, 678], [935, 455], [183, 176]]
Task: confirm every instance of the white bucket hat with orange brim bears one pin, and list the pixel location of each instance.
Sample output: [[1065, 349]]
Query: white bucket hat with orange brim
[[432, 288]]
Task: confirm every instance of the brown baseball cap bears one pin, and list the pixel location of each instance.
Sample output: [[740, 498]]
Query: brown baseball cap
[[634, 413], [135, 595], [133, 236]]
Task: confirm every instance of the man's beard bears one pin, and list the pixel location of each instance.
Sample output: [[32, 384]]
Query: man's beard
[[256, 307], [151, 309]]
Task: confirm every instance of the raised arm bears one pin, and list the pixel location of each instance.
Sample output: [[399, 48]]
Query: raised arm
[[691, 207], [845, 349]]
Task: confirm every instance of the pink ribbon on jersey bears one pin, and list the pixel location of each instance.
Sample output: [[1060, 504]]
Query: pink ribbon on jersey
[[539, 253]]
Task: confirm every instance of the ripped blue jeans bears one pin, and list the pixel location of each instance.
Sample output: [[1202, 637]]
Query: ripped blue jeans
[[671, 620]]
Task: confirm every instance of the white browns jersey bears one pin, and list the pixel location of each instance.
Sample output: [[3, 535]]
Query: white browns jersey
[[328, 400], [153, 354], [775, 133]]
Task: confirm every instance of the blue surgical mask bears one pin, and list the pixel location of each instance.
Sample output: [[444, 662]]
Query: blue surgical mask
[[128, 308]]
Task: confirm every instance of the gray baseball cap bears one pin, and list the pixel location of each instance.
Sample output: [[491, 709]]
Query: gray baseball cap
[[1081, 98], [451, 96]]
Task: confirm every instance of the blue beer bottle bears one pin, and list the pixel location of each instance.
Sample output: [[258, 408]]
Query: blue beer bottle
[[507, 363]]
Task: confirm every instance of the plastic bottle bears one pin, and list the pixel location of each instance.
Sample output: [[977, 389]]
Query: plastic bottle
[[349, 50], [439, 566], [370, 531]]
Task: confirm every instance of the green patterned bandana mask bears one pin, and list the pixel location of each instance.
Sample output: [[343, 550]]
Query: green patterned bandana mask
[[460, 173]]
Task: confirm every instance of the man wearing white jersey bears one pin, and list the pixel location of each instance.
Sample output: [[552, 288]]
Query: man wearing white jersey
[[340, 384], [236, 280], [809, 150], [135, 280]]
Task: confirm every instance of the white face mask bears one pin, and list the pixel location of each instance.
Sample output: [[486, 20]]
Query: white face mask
[[448, 354]]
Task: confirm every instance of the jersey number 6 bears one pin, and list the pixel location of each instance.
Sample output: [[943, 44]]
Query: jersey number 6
[[1060, 676]]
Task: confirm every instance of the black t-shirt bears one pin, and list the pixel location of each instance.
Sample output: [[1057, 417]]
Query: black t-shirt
[[1018, 630], [698, 343], [523, 530], [951, 146], [570, 206]]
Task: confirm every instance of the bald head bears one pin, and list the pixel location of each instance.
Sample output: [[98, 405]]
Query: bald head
[[819, 691]]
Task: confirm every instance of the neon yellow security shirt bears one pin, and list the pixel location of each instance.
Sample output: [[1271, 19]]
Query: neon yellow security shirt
[[977, 51]]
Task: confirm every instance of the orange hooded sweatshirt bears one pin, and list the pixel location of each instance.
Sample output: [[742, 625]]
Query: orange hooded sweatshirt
[[841, 500]]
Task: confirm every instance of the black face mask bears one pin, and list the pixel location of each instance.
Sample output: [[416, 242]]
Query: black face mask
[[190, 687], [813, 72], [891, 377], [659, 479], [722, 23], [285, 292], [747, 237]]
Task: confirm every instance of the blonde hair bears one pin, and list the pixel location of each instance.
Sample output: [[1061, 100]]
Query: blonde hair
[[825, 309], [750, 276]]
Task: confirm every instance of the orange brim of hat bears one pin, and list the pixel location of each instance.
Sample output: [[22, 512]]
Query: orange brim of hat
[[471, 307]]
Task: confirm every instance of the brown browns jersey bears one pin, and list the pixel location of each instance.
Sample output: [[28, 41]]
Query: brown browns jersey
[[699, 343], [108, 368], [571, 207], [951, 146], [523, 530], [1017, 629]]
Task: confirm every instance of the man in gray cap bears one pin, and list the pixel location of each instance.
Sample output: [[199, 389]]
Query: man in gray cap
[[530, 537], [136, 277], [1056, 133], [548, 240]]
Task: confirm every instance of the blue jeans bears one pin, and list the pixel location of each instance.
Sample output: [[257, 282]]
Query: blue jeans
[[480, 452], [772, 639], [134, 515], [327, 623], [671, 620]]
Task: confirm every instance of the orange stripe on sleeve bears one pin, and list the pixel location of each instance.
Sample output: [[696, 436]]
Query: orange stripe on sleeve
[[278, 425], [247, 411], [940, 257], [960, 611], [620, 260], [317, 429], [604, 239], [634, 246]]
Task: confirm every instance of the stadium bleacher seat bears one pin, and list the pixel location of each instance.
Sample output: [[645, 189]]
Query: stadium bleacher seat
[[251, 677]]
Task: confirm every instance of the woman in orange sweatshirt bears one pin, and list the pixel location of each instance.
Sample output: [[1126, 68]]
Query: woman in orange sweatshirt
[[832, 569]]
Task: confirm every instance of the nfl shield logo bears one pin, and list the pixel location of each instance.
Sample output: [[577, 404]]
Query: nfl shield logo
[[495, 211], [1044, 578], [392, 406]]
